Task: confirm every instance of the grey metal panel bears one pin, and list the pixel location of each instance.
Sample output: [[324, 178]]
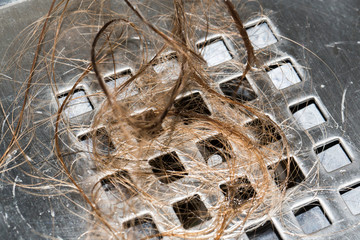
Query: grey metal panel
[[323, 37]]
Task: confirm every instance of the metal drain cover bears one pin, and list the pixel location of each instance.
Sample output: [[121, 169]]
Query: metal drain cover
[[310, 53]]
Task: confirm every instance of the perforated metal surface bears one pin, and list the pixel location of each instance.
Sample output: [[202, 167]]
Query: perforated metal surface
[[312, 50]]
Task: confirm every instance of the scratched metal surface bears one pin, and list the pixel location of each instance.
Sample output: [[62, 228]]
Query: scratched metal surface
[[324, 39], [5, 2]]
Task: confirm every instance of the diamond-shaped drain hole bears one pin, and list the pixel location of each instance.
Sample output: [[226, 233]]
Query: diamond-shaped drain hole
[[312, 218], [261, 35], [103, 143], [351, 196], [141, 228], [308, 114], [168, 66], [191, 104], [244, 92], [265, 133], [264, 232], [116, 80], [332, 156], [283, 74], [119, 184], [191, 211], [78, 103], [168, 168], [146, 121], [215, 51], [215, 150], [238, 192], [287, 167]]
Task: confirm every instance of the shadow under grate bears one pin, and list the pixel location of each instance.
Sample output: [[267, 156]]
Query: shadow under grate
[[238, 192], [168, 168], [264, 232], [286, 169], [119, 184], [191, 211], [312, 218], [142, 228]]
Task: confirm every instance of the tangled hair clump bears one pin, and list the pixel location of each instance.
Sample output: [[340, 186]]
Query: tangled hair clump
[[141, 130]]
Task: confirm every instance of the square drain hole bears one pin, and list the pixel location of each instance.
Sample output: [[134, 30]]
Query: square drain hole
[[190, 104], [103, 142], [238, 191], [245, 93], [265, 132], [215, 150], [283, 75], [119, 183], [141, 228], [308, 114], [168, 168], [215, 51], [261, 35], [312, 218], [332, 156], [78, 104], [168, 66], [265, 232], [279, 171], [145, 120], [86, 140], [116, 80], [191, 211], [351, 196]]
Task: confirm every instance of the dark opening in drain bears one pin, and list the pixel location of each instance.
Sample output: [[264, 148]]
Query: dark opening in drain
[[351, 196], [118, 75], [302, 105], [163, 59], [191, 211], [78, 90], [265, 232], [213, 148], [102, 142], [168, 67], [280, 170], [349, 188], [261, 35], [120, 181], [142, 228], [168, 168], [312, 218], [244, 92], [238, 191], [215, 51], [78, 103], [279, 64], [191, 104], [145, 121], [308, 114], [209, 42], [266, 133], [333, 155], [283, 74], [326, 146]]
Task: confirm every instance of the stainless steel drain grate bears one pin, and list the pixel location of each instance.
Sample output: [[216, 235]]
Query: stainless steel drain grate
[[161, 191]]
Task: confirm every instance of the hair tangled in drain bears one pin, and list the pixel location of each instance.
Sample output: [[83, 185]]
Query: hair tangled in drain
[[160, 150]]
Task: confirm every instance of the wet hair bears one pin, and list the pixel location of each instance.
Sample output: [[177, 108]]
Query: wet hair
[[152, 117]]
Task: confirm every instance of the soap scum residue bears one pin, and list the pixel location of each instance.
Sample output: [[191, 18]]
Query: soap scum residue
[[123, 134]]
